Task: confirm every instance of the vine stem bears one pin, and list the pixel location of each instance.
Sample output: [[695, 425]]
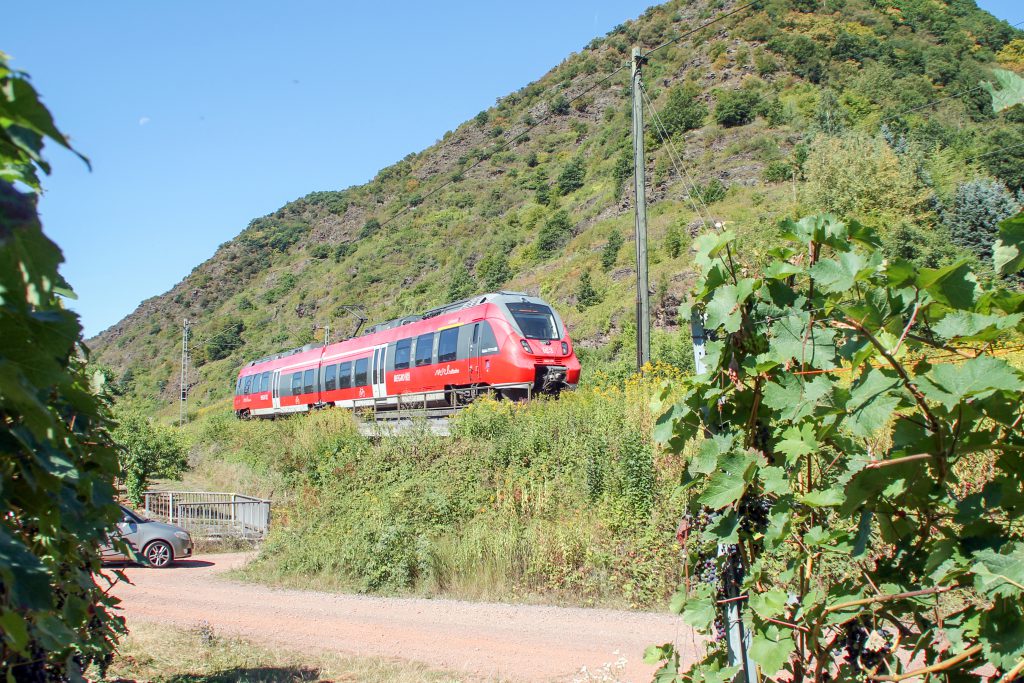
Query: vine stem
[[937, 666], [887, 598], [877, 464], [1012, 673], [933, 421], [913, 317]]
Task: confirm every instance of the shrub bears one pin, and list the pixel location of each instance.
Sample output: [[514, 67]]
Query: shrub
[[673, 241], [148, 450], [320, 251], [778, 171], [461, 284], [610, 253], [494, 270], [1003, 157], [560, 105], [586, 295], [554, 234], [371, 226], [571, 177], [736, 107], [684, 110], [714, 191], [974, 217]]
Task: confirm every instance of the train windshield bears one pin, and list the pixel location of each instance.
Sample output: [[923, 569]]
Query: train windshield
[[536, 321]]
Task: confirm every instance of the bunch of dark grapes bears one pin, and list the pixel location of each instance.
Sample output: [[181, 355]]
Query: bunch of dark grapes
[[866, 649], [754, 511]]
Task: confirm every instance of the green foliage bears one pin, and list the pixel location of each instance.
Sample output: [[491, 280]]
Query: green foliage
[[285, 284], [1003, 158], [684, 110], [861, 480], [371, 226], [736, 107], [560, 105], [714, 191], [778, 171], [973, 219], [148, 450], [572, 176], [461, 284], [494, 270], [555, 232], [586, 295], [674, 241], [225, 340], [610, 252], [622, 170], [57, 464], [1010, 92]]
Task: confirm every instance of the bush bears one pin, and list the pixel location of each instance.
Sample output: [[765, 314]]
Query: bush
[[371, 226], [461, 284], [554, 234], [560, 105], [610, 253], [571, 177], [494, 270], [1004, 159], [736, 107], [684, 111], [673, 241], [974, 217], [148, 450], [778, 171], [586, 295], [714, 191], [225, 340]]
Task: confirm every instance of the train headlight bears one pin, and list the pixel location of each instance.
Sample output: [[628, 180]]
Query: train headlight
[[565, 348], [526, 346]]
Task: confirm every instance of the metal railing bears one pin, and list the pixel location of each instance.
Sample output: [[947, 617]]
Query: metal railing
[[206, 514]]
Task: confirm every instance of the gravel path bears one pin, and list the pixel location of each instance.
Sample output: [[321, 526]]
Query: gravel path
[[477, 640]]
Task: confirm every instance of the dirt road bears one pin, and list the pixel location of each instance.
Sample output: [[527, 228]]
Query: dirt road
[[477, 640]]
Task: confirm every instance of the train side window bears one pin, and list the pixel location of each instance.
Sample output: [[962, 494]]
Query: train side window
[[296, 383], [487, 343], [248, 385], [309, 381], [448, 345], [424, 349], [362, 376], [265, 382], [345, 375], [238, 387], [330, 372], [402, 349]]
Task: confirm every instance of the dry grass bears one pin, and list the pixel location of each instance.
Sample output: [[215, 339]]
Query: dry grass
[[198, 655]]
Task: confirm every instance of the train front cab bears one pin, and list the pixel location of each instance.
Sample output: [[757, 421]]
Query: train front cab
[[536, 347]]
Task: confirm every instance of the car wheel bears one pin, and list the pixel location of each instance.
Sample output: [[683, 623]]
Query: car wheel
[[158, 554]]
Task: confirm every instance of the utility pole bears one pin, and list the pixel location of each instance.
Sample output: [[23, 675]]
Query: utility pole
[[183, 396], [643, 302], [737, 637]]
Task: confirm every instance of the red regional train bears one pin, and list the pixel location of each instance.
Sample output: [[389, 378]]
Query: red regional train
[[505, 342]]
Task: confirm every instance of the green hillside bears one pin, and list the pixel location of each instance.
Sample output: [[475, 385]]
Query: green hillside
[[875, 109]]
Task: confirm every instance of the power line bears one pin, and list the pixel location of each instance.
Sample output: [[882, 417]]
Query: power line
[[703, 26]]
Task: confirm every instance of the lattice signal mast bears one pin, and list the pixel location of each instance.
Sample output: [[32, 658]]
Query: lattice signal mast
[[183, 395]]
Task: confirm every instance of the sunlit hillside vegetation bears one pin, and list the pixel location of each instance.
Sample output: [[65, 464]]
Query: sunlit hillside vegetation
[[801, 105]]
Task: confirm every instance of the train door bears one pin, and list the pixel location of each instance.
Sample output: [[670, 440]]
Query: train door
[[475, 371], [380, 354], [275, 389]]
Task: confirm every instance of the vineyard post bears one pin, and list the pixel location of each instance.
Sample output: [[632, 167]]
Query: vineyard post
[[737, 638]]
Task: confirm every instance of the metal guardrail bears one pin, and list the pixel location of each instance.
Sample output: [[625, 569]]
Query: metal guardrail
[[206, 514]]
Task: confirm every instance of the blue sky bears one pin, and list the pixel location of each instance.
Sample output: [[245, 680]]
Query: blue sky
[[200, 116]]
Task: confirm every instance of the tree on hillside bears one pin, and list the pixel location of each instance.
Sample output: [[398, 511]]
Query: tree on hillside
[[610, 253], [225, 339], [859, 176], [674, 241], [494, 270], [571, 177], [555, 232], [461, 284], [586, 295], [57, 462], [736, 107], [684, 110], [978, 208]]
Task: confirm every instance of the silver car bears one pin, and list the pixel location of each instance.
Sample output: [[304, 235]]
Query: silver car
[[155, 543]]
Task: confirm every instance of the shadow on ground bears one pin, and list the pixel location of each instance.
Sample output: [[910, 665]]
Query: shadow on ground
[[259, 674]]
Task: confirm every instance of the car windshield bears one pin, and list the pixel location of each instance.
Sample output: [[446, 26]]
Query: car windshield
[[536, 321]]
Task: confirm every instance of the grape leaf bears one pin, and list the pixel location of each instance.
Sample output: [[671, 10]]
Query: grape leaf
[[771, 650], [1008, 252], [873, 400], [950, 383], [1010, 92], [1000, 574], [839, 274]]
